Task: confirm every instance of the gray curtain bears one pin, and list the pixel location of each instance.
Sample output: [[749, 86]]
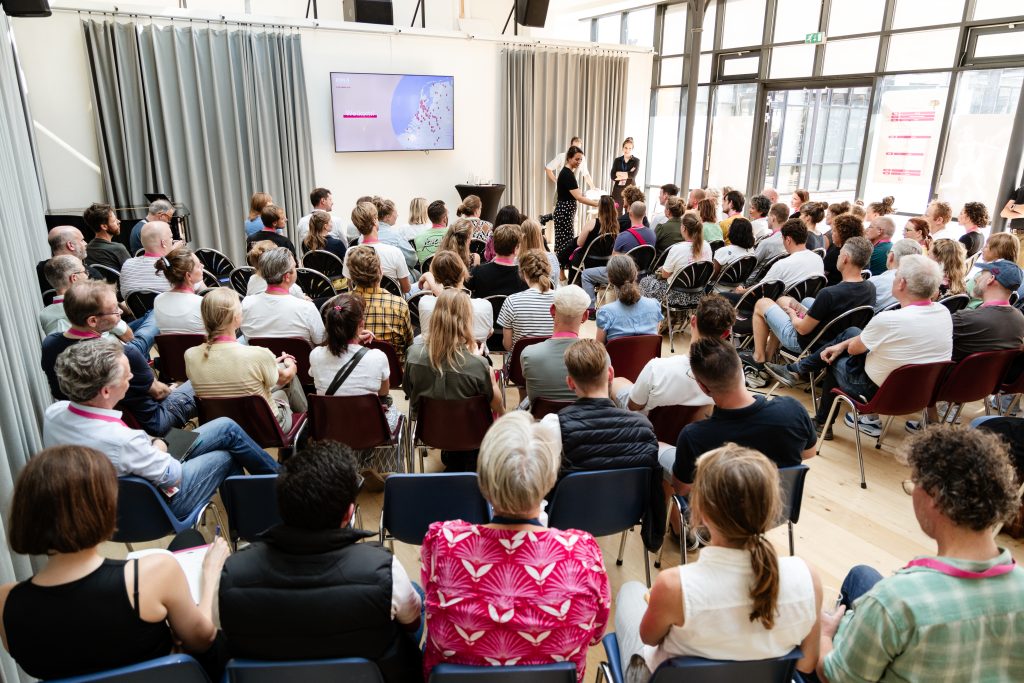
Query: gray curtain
[[206, 116], [23, 390], [550, 96]]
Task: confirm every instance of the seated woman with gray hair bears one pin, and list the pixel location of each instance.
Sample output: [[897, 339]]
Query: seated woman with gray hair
[[513, 592]]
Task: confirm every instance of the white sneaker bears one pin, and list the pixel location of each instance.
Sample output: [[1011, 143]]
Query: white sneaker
[[869, 426], [756, 379]]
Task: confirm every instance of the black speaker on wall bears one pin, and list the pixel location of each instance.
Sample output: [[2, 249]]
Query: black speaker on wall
[[370, 11], [532, 13], [26, 8]]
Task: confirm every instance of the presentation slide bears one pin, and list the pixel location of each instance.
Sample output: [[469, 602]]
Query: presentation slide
[[389, 112]]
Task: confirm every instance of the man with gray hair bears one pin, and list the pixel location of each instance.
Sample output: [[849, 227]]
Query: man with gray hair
[[634, 236], [544, 363], [64, 240], [880, 232], [883, 282], [61, 272], [759, 208], [275, 312], [95, 375], [139, 272], [160, 210]]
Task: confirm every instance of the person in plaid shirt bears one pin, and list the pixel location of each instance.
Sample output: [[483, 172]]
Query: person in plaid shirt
[[387, 315], [956, 616]]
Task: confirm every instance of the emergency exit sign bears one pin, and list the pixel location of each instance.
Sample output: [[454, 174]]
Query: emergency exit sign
[[814, 38]]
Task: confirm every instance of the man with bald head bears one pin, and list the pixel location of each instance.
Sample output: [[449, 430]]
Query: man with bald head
[[771, 193], [880, 232], [64, 240], [160, 210], [139, 272]]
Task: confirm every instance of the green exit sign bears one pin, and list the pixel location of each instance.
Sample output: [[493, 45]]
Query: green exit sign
[[814, 38]]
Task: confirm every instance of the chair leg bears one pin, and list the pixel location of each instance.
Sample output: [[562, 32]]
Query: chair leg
[[671, 338], [771, 391], [792, 547], [130, 548], [647, 566], [668, 528], [885, 429], [622, 548], [856, 435]]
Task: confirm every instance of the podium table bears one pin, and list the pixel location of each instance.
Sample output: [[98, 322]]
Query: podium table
[[490, 197]]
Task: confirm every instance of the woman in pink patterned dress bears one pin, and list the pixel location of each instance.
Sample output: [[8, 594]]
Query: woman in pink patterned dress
[[513, 592]]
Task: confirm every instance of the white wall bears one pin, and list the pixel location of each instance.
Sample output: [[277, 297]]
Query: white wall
[[57, 79]]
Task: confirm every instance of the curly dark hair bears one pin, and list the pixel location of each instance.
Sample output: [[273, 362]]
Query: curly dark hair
[[968, 472], [317, 485], [977, 213]]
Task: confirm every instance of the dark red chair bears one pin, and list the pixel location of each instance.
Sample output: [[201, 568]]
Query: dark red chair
[[253, 414], [541, 406], [907, 389], [358, 422], [973, 379], [395, 380], [297, 347], [630, 354], [451, 425], [1012, 384], [668, 421], [172, 348], [512, 373]]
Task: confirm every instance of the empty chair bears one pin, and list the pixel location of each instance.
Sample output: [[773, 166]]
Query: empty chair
[[251, 505], [412, 502], [143, 515], [559, 672], [452, 425], [629, 355], [356, 421], [315, 284], [172, 348], [349, 670], [215, 262]]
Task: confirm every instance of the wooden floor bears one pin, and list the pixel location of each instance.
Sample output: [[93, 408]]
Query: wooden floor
[[840, 524]]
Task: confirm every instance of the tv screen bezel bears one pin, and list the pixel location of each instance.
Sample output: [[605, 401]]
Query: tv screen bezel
[[334, 127]]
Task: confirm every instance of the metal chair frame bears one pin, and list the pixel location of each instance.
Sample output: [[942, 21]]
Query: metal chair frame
[[239, 279], [215, 262], [735, 273], [694, 280], [577, 271]]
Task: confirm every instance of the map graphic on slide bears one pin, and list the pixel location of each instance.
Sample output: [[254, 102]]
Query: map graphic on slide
[[388, 112]]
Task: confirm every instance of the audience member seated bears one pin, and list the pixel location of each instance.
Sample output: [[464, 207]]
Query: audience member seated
[[952, 259], [831, 213], [669, 381], [844, 226], [693, 248], [470, 209], [254, 223], [528, 313], [91, 308], [531, 238], [800, 264], [953, 616], [275, 312], [160, 211], [707, 210], [321, 199], [918, 229], [692, 199], [82, 613], [102, 249], [773, 245], [308, 589], [628, 239], [448, 366], [759, 208], [392, 261], [65, 240], [1000, 245], [447, 271], [595, 434], [418, 219], [538, 610], [224, 368], [813, 215], [939, 214], [388, 231], [256, 284], [741, 243], [457, 239], [779, 427], [544, 363], [176, 311], [732, 207], [500, 275], [973, 217], [606, 222], [274, 220], [668, 192], [320, 238], [95, 376], [880, 232], [630, 197], [740, 600], [883, 283], [507, 215], [386, 315], [139, 272], [428, 241], [995, 325], [670, 231], [61, 272], [631, 313]]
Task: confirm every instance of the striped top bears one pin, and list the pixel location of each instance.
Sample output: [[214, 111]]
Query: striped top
[[528, 314], [232, 369], [139, 273]]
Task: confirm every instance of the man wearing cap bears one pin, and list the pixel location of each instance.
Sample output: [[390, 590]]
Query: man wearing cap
[[995, 324]]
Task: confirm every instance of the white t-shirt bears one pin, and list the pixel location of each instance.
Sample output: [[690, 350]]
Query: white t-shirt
[[410, 231], [483, 316], [337, 228], [798, 266], [271, 315], [257, 285], [179, 313], [760, 227], [681, 255], [729, 253], [392, 260], [909, 335], [366, 377], [665, 382], [658, 219]]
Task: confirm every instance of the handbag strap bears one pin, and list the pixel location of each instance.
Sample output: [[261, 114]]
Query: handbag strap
[[346, 370]]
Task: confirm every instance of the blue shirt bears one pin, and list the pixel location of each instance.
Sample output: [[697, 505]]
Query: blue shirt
[[253, 225], [135, 242], [626, 241], [390, 235], [620, 320]]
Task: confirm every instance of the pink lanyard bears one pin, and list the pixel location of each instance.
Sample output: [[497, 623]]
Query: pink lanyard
[[957, 573], [560, 335], [224, 338], [987, 303], [505, 260], [94, 416], [276, 290], [82, 335], [926, 302]]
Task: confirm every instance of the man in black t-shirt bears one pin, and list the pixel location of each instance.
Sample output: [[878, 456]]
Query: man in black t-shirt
[[500, 276], [273, 220]]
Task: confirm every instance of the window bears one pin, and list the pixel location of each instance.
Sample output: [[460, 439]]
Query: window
[[911, 13], [744, 23], [851, 56], [704, 72], [673, 30], [999, 44], [707, 37], [746, 64], [732, 132], [608, 29], [792, 61], [665, 135], [993, 9], [862, 16], [640, 27], [923, 50], [700, 127], [794, 19], [671, 71]]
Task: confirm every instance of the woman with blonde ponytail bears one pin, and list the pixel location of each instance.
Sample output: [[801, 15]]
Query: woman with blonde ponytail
[[528, 313], [739, 600]]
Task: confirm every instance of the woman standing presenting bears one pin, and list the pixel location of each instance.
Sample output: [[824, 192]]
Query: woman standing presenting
[[624, 170], [569, 194]]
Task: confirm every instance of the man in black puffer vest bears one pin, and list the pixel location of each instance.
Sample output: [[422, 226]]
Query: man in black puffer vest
[[598, 435], [308, 590]]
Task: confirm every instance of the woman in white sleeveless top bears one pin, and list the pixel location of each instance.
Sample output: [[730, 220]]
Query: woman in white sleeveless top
[[739, 601]]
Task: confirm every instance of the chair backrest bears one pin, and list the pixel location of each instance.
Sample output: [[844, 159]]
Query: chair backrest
[[314, 284], [975, 376], [715, 245], [668, 421], [630, 354], [390, 285], [412, 502], [349, 670], [142, 512], [215, 262], [172, 348], [820, 251], [496, 341], [540, 406], [660, 261], [1013, 380], [596, 254], [643, 256], [477, 246], [356, 421], [955, 302], [252, 413], [808, 287], [239, 279], [323, 262], [48, 296], [622, 494], [700, 670], [736, 272], [453, 425], [210, 280], [251, 504], [865, 274], [425, 266], [111, 275], [141, 301], [168, 669], [294, 346], [515, 365], [1011, 429], [908, 389], [414, 309], [855, 317], [891, 307], [691, 279], [792, 481], [1014, 298], [771, 289], [559, 672], [395, 379], [767, 264]]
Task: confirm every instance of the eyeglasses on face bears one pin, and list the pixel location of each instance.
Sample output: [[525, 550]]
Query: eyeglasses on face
[[100, 314]]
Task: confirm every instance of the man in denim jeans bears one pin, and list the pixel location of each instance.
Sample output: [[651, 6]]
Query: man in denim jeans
[[95, 374]]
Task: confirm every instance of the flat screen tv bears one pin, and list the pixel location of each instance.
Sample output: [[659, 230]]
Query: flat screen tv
[[392, 112]]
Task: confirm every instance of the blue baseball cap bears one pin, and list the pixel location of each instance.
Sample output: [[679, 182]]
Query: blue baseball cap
[[1007, 273]]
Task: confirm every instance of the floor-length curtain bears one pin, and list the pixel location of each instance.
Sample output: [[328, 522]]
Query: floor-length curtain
[[206, 116], [550, 96], [23, 390]]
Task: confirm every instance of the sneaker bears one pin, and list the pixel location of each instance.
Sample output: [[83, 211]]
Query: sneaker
[[755, 378], [828, 432], [747, 358], [783, 374], [869, 426], [913, 426]]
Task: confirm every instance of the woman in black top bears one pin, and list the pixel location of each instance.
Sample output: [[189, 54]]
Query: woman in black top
[[82, 613], [565, 207], [626, 164], [319, 237]]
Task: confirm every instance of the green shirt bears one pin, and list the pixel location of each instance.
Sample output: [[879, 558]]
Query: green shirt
[[668, 233], [428, 241], [922, 625], [712, 232]]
